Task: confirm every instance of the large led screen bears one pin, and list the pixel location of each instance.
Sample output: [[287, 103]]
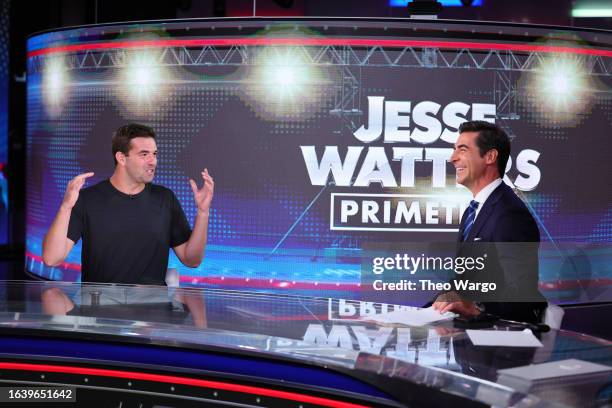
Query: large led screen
[[4, 128], [326, 137]]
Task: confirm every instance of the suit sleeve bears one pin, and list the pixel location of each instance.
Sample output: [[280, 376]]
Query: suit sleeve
[[517, 240]]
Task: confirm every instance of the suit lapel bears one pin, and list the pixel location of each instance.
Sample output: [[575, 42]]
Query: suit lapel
[[486, 210]]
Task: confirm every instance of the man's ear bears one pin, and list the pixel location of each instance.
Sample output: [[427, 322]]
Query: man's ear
[[491, 156], [120, 157]]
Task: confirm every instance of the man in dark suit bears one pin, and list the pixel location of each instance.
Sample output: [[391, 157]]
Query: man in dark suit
[[495, 215]]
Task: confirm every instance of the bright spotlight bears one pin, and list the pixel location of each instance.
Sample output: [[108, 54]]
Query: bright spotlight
[[142, 76], [55, 82], [561, 78], [561, 83], [284, 74], [560, 89], [142, 80], [284, 84]]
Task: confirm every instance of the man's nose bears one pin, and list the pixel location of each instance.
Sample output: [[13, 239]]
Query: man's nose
[[453, 157]]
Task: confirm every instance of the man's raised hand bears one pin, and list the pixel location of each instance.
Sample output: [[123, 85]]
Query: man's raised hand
[[203, 196], [72, 191]]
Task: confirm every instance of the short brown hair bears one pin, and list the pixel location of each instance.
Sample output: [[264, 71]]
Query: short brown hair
[[490, 137], [124, 135]]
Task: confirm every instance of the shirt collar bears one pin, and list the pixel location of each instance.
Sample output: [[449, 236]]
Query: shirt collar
[[483, 194]]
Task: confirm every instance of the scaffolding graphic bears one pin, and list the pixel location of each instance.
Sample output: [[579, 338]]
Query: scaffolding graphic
[[326, 55], [347, 107]]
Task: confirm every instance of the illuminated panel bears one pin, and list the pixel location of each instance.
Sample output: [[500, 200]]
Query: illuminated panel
[[289, 116], [4, 118], [445, 3], [220, 386]]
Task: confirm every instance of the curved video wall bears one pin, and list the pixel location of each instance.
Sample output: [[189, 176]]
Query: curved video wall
[[327, 136], [4, 120]]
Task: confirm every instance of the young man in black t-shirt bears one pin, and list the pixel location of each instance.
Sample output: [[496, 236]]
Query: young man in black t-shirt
[[126, 223]]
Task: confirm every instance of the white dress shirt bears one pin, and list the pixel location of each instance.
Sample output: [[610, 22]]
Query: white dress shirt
[[483, 194]]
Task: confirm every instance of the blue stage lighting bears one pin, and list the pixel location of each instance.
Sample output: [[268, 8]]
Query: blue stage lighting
[[445, 3]]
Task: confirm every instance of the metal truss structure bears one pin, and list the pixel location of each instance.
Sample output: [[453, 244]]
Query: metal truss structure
[[349, 59], [347, 103], [328, 55], [505, 99]]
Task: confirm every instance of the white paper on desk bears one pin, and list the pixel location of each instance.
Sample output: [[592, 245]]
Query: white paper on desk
[[411, 317], [503, 338]]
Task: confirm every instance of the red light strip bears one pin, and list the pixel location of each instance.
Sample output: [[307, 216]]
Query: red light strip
[[133, 375], [357, 42], [265, 283], [66, 265]]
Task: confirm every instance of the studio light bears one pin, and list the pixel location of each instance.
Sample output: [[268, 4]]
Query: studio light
[[142, 79], [55, 83], [562, 79], [592, 13], [560, 89], [284, 74], [591, 9], [284, 84], [142, 74]]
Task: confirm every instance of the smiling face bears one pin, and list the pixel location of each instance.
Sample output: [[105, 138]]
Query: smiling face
[[473, 170], [141, 160]]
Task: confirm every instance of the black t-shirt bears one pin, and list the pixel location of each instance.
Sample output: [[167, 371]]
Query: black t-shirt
[[126, 238]]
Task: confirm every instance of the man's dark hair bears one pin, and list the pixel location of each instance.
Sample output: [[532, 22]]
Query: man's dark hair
[[490, 137], [124, 135]]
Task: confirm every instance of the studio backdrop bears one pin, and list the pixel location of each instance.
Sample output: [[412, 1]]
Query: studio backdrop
[[327, 136]]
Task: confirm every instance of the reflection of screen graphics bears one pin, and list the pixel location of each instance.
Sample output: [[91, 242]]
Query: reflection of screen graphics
[[323, 137]]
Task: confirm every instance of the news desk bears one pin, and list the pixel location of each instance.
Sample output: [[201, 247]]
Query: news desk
[[137, 346]]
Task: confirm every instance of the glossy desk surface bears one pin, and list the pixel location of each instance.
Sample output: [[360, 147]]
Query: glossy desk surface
[[323, 332]]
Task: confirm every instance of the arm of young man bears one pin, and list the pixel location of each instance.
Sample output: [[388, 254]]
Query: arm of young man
[[191, 252], [56, 244]]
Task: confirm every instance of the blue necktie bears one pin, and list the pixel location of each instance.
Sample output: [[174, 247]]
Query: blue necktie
[[469, 220]]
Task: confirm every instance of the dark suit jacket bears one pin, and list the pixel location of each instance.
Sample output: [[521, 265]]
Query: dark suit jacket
[[505, 220]]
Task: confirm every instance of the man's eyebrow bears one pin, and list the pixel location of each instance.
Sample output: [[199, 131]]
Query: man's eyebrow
[[461, 145], [147, 151]]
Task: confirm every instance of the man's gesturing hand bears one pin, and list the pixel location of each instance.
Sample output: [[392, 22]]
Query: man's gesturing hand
[[72, 191], [204, 195]]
